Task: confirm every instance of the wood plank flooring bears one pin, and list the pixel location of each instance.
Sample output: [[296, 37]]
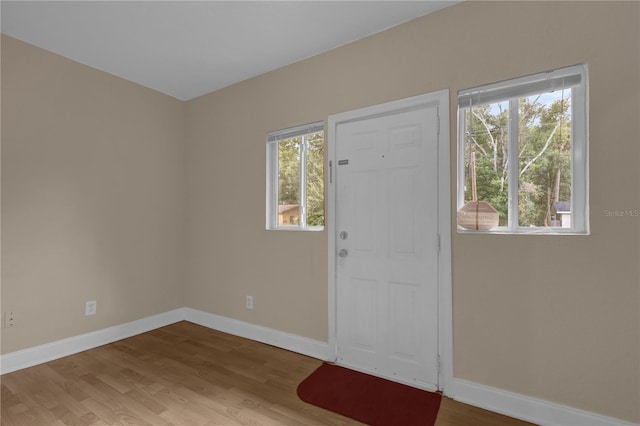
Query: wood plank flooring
[[182, 374]]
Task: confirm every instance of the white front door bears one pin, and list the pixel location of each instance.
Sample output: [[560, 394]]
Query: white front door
[[386, 243]]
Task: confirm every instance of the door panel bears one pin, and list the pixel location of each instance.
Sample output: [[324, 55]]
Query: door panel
[[364, 203], [386, 264], [403, 186], [364, 296]]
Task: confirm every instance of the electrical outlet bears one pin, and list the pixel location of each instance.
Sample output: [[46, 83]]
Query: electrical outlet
[[9, 319], [90, 307], [249, 302]]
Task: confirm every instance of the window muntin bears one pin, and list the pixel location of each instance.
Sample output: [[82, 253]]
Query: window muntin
[[531, 131], [295, 178]]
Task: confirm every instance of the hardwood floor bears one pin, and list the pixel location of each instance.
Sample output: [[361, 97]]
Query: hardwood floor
[[182, 374]]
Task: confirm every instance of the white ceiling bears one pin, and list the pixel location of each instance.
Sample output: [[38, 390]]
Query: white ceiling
[[188, 48]]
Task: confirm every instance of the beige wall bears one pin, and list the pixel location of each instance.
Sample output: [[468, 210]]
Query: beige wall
[[556, 318], [93, 202]]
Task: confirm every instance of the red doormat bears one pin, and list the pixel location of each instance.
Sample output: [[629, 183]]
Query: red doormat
[[368, 399]]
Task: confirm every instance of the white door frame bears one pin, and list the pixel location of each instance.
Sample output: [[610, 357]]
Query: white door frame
[[445, 305]]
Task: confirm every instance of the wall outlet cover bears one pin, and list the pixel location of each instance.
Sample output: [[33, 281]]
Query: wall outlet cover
[[9, 319], [90, 308]]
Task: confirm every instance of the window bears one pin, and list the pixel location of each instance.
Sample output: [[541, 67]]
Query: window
[[522, 155], [295, 178]]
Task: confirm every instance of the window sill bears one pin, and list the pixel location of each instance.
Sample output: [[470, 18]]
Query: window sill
[[297, 228], [523, 231]]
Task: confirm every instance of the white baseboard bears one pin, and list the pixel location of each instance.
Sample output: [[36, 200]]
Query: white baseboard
[[280, 339], [500, 401], [526, 408], [48, 352]]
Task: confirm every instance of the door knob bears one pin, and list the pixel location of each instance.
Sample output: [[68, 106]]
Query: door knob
[[343, 253]]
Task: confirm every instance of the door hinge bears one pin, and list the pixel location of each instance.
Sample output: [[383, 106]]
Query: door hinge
[[438, 243], [438, 364], [438, 118]]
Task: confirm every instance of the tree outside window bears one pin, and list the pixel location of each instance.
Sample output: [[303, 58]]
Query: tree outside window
[[523, 150], [296, 178]]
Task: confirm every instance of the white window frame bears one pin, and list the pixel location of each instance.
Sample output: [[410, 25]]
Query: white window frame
[[574, 78], [272, 176]]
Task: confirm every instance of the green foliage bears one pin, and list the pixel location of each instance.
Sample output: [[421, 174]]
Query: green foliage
[[315, 179], [543, 158], [289, 186], [289, 171]]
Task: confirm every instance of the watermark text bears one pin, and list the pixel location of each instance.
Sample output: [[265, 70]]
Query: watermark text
[[622, 213]]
